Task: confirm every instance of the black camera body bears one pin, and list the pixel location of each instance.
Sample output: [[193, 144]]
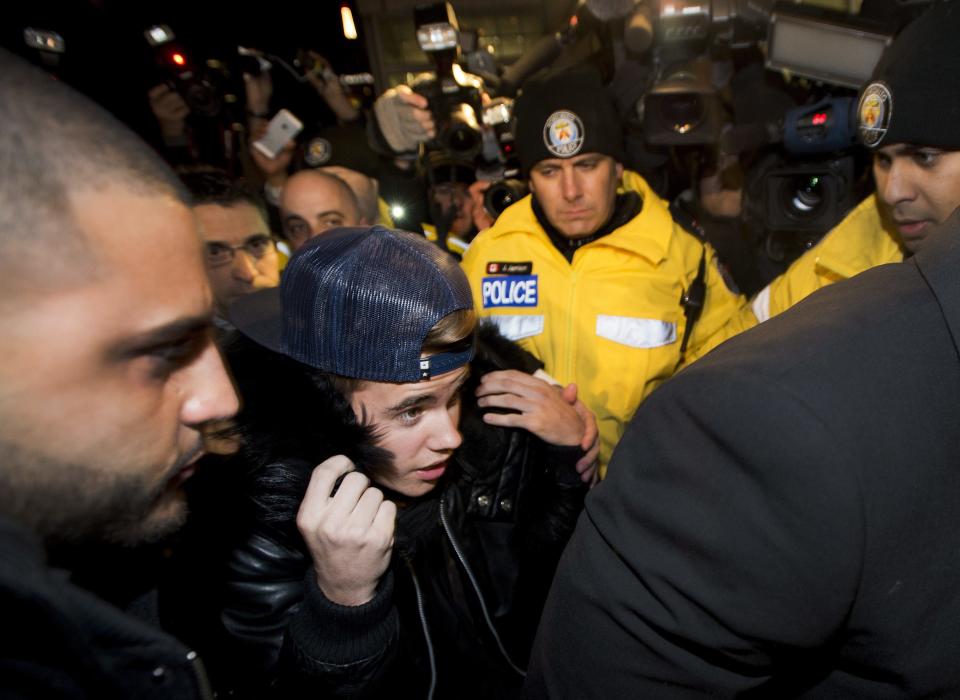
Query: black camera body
[[455, 102], [207, 88]]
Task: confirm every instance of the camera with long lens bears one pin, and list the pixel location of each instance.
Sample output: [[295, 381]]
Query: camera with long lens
[[453, 95]]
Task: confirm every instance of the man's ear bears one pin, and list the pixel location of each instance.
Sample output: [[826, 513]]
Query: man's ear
[[619, 167]]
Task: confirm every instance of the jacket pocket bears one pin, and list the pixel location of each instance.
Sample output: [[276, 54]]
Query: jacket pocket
[[636, 332], [517, 326]]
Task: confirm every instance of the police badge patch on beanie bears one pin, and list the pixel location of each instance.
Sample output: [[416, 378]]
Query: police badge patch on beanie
[[917, 70], [563, 134], [318, 152], [874, 111], [564, 114]]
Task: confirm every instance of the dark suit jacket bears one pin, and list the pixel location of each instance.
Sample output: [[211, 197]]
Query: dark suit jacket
[[782, 519]]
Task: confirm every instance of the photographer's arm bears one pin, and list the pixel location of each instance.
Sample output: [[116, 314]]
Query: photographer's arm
[[327, 85]]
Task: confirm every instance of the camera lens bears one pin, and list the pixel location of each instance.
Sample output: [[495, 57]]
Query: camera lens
[[461, 139], [501, 195], [803, 197], [682, 113], [202, 98], [462, 134]]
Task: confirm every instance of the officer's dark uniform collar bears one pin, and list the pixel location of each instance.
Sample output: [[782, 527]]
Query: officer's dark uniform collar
[[626, 207]]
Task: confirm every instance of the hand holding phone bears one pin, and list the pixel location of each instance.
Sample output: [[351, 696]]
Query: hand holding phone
[[281, 130]]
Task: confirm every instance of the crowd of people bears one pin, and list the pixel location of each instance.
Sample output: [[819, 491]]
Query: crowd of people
[[264, 435]]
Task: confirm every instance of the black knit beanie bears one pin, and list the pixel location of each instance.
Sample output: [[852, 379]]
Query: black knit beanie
[[914, 95], [564, 114]]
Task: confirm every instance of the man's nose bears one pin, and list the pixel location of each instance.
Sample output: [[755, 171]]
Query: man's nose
[[447, 436], [570, 185], [210, 392], [244, 267], [897, 185]]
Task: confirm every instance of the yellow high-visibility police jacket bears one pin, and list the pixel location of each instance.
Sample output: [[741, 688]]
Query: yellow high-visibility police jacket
[[611, 321], [865, 238]]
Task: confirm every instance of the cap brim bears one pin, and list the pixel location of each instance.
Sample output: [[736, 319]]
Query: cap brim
[[257, 315]]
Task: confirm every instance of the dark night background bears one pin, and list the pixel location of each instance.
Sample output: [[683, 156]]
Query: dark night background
[[108, 58]]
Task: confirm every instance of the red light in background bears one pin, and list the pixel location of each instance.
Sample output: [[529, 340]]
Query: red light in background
[[819, 118], [178, 58]]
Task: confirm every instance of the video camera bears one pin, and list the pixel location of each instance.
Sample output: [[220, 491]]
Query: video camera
[[800, 190], [683, 107]]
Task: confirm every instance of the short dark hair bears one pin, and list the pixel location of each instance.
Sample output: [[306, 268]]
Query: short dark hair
[[209, 185], [55, 142]]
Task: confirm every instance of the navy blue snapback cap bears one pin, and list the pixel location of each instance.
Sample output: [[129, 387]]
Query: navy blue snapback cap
[[358, 302]]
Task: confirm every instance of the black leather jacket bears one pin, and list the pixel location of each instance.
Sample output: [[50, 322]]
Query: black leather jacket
[[459, 605]]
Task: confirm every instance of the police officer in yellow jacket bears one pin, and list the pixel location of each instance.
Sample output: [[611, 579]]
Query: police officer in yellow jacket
[[604, 287], [916, 166]]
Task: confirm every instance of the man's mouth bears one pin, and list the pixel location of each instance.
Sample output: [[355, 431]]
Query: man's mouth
[[912, 227], [432, 473], [186, 466]]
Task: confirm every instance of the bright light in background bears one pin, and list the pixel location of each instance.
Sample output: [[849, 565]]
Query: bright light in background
[[397, 212], [178, 59], [349, 28]]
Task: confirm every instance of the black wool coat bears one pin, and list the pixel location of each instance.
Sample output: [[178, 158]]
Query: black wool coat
[[782, 519], [60, 641]]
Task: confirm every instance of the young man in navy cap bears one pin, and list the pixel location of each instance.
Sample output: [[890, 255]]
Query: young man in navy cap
[[604, 288], [415, 557], [908, 115]]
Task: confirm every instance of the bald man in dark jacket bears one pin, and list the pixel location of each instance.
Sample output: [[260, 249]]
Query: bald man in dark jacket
[[783, 518]]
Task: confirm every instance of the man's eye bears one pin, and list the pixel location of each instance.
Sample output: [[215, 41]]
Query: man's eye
[[332, 222], [298, 229], [926, 158], [587, 164], [411, 415], [259, 246], [217, 252], [171, 356]]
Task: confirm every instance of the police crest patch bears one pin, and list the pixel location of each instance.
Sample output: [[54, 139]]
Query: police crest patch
[[318, 152], [874, 112], [563, 134]]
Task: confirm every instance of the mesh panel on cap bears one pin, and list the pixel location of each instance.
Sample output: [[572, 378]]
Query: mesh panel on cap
[[358, 302]]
